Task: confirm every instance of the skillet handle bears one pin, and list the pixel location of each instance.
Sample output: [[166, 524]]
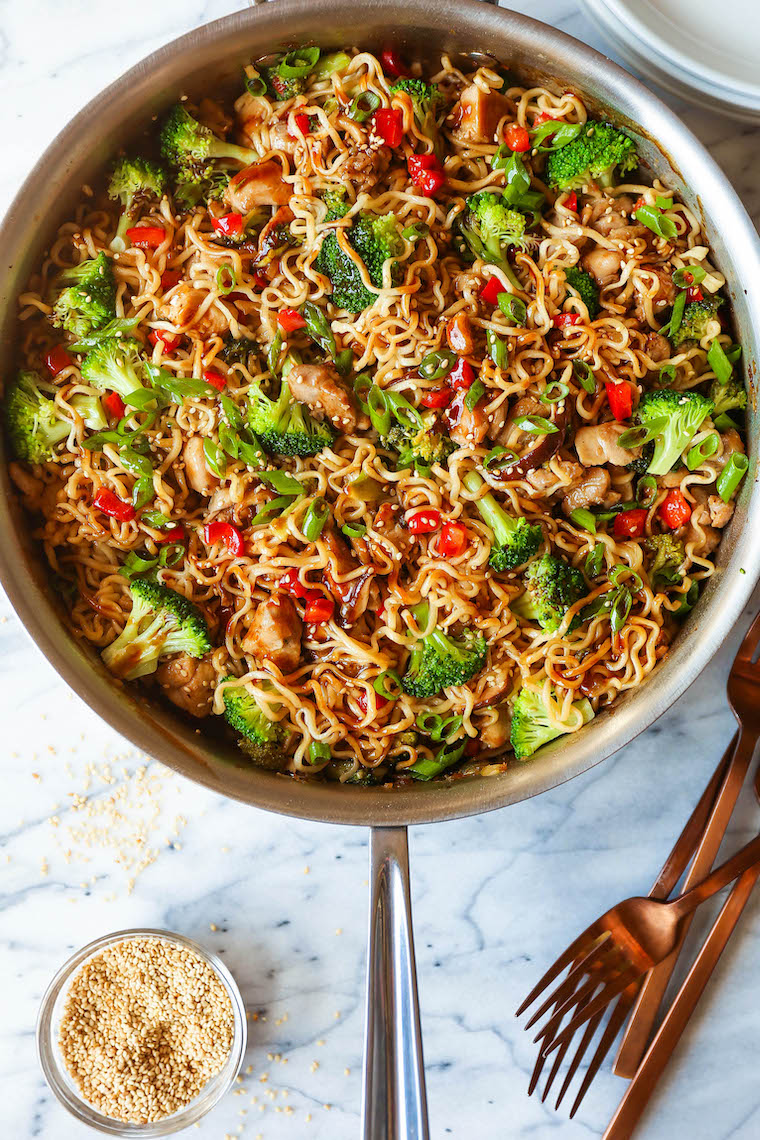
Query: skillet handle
[[394, 1101]]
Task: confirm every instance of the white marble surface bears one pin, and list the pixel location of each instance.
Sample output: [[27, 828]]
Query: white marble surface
[[494, 897]]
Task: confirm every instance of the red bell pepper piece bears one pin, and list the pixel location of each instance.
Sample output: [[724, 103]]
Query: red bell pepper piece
[[319, 610], [426, 173], [169, 279], [565, 320], [211, 376], [571, 202], [363, 702], [436, 398], [147, 237], [114, 405], [674, 510], [694, 293], [489, 292], [630, 524], [231, 225], [389, 124], [453, 539], [225, 533], [290, 320], [303, 122], [170, 341], [176, 534], [393, 64], [111, 505], [424, 521], [517, 138], [57, 359], [620, 399], [462, 375], [544, 117], [290, 583]]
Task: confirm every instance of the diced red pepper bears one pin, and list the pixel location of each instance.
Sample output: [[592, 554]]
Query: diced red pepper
[[544, 117], [517, 138], [290, 320], [674, 510], [114, 405], [630, 524], [169, 279], [431, 182], [419, 163], [303, 122], [176, 534], [453, 539], [489, 293], [211, 376], [111, 505], [225, 533], [694, 293], [57, 359], [424, 521], [620, 399], [571, 202], [393, 64], [170, 341], [565, 320], [260, 280], [290, 583], [436, 398], [231, 225], [319, 610], [147, 237], [640, 201], [363, 703], [462, 375], [389, 124], [426, 173]]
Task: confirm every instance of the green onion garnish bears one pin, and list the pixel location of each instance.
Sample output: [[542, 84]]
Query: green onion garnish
[[667, 375], [229, 441], [142, 492], [584, 376], [554, 393], [318, 328], [513, 308], [380, 685], [535, 425], [437, 365], [476, 390], [232, 413], [226, 279], [731, 476], [315, 518], [363, 105], [498, 349], [688, 276], [500, 457], [639, 435], [594, 561], [584, 519], [354, 530], [702, 451], [653, 218], [297, 64], [216, 460], [271, 509], [415, 231], [719, 362], [282, 482], [273, 354], [646, 490], [319, 751]]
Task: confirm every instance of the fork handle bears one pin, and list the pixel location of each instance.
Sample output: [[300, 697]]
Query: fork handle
[[747, 857]]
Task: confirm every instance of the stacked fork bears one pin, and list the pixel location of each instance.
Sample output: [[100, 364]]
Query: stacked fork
[[624, 960]]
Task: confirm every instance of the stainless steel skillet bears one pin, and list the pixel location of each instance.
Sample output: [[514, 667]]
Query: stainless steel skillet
[[394, 1087]]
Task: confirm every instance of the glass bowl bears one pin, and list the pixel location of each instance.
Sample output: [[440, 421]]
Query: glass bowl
[[61, 1082]]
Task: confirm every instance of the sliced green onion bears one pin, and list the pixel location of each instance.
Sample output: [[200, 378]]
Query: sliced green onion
[[535, 425], [232, 413], [281, 482], [646, 490], [318, 328], [639, 435], [476, 390], [724, 422], [229, 440], [297, 64], [498, 349], [513, 308], [172, 554], [273, 354], [558, 134], [620, 609], [157, 520], [667, 375], [215, 458], [344, 361], [363, 105], [271, 509], [688, 276], [731, 476], [689, 600], [142, 492], [379, 412], [415, 231], [676, 316], [554, 393], [255, 85], [251, 455], [354, 530], [702, 451], [733, 353], [315, 518], [362, 386], [437, 365], [499, 457], [329, 64], [654, 219], [594, 561], [663, 202], [318, 751], [134, 564], [226, 279], [623, 571], [135, 463], [380, 685], [431, 724], [584, 376], [584, 519], [719, 362], [143, 398]]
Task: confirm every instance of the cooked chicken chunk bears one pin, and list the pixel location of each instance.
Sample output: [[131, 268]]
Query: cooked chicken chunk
[[657, 347], [364, 167], [495, 734], [198, 476], [594, 488], [545, 482], [603, 265], [274, 633], [318, 386], [353, 594], [700, 531], [665, 290], [182, 308], [467, 428], [599, 444], [262, 184], [188, 683], [611, 217], [720, 512], [478, 113], [459, 335]]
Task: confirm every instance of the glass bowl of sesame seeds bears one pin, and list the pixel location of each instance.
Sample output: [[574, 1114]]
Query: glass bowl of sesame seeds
[[141, 1032]]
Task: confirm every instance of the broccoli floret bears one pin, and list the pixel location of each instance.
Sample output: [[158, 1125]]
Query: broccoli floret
[[418, 447], [336, 202], [134, 182], [487, 228], [112, 365], [32, 420], [696, 317], [427, 100], [552, 585], [728, 397], [161, 622], [375, 239], [586, 288], [284, 426], [86, 301], [439, 661], [187, 144], [515, 540], [531, 728], [675, 418], [91, 411], [198, 189], [593, 155], [262, 737], [668, 556], [235, 351]]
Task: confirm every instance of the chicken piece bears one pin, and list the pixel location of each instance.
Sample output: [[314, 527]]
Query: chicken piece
[[657, 347], [262, 184], [197, 474], [720, 512], [732, 445], [459, 335], [274, 633], [182, 307], [594, 488], [611, 217], [599, 444], [467, 428], [365, 167], [387, 522], [664, 295], [478, 114], [603, 265], [318, 386], [545, 481], [495, 733], [188, 683], [700, 531], [352, 593]]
